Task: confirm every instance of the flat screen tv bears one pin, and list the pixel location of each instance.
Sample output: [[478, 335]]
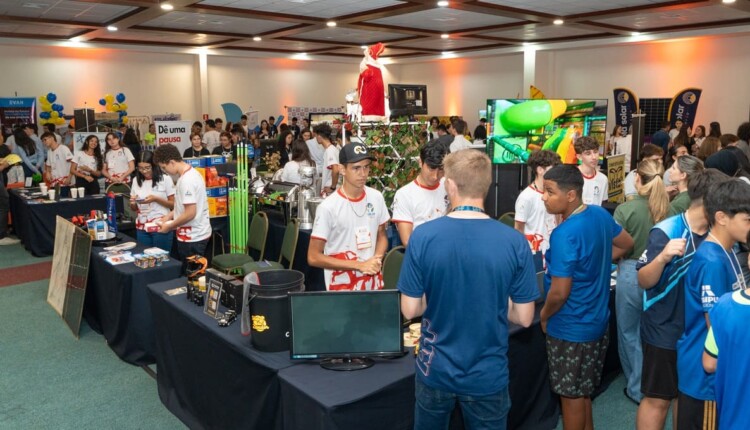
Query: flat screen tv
[[407, 100], [517, 126], [345, 328]]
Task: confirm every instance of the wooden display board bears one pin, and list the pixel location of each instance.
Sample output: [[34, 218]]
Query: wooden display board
[[70, 270]]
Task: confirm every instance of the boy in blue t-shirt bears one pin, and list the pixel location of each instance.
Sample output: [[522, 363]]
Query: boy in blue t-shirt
[[729, 336], [460, 280], [714, 272], [575, 315], [661, 272]]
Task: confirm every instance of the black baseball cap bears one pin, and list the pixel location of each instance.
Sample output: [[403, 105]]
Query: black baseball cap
[[354, 152]]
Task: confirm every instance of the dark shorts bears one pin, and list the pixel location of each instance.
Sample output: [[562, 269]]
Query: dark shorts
[[575, 368], [659, 372], [696, 414]]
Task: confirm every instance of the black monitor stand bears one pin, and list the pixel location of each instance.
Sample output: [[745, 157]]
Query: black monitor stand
[[349, 363]]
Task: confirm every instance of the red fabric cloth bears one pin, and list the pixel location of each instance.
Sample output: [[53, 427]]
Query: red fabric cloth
[[372, 91]]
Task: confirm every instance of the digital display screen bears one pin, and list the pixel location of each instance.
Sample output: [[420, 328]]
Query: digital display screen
[[351, 323], [522, 125]]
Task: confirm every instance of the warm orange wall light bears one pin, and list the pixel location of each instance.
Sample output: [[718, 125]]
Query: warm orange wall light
[[453, 70]]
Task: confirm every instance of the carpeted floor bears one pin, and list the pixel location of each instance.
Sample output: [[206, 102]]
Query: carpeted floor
[[50, 380]]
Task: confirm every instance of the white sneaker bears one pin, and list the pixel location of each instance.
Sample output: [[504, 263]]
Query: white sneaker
[[9, 241]]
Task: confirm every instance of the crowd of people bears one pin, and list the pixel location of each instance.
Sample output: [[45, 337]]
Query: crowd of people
[[678, 242]]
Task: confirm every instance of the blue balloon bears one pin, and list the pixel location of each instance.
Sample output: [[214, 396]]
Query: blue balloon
[[44, 115], [51, 97], [120, 97], [102, 102], [123, 113], [59, 108]]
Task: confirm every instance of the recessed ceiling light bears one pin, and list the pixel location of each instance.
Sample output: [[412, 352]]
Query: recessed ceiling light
[[257, 39], [167, 6], [558, 21], [111, 28], [727, 1], [331, 23], [526, 44], [364, 46], [442, 3], [635, 33], [444, 36]]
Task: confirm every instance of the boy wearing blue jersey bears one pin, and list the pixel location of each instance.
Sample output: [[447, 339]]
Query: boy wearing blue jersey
[[671, 247], [575, 315], [729, 335], [714, 272]]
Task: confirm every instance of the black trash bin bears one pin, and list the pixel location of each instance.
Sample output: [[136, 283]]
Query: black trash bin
[[269, 307]]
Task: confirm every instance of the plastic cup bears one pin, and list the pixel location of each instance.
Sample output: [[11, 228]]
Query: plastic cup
[[81, 191], [51, 194], [43, 188], [74, 192]]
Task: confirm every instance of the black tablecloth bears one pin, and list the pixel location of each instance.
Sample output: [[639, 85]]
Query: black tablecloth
[[208, 376], [34, 222], [383, 396], [314, 279], [116, 305], [211, 377]]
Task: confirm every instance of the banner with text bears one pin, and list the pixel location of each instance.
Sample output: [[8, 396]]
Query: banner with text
[[175, 132], [626, 104], [616, 178], [17, 110], [684, 106]]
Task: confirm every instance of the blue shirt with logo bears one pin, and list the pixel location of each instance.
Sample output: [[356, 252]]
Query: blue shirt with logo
[[466, 269], [581, 249], [663, 317], [731, 346], [710, 276]]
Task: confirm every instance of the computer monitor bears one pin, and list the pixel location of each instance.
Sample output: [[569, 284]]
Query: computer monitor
[[345, 328], [407, 100]]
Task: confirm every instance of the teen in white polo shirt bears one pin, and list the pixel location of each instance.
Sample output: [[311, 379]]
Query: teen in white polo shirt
[[348, 238], [189, 219], [423, 199], [57, 166]]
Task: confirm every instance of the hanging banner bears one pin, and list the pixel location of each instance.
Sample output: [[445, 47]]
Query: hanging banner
[[17, 110], [175, 132], [626, 104], [684, 106], [616, 178]]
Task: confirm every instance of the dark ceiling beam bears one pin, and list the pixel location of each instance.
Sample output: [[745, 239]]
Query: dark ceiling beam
[[54, 22], [385, 12], [638, 10], [503, 11], [252, 14]]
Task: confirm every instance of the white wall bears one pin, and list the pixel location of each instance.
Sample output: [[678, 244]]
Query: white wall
[[268, 85], [461, 86], [152, 83], [169, 82], [719, 66]]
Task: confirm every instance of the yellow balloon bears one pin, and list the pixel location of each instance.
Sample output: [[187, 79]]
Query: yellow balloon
[[54, 114], [43, 99], [125, 120], [60, 121], [110, 108], [46, 107], [123, 106], [109, 98]]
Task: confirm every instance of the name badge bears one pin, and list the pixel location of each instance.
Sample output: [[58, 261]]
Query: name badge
[[364, 238]]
